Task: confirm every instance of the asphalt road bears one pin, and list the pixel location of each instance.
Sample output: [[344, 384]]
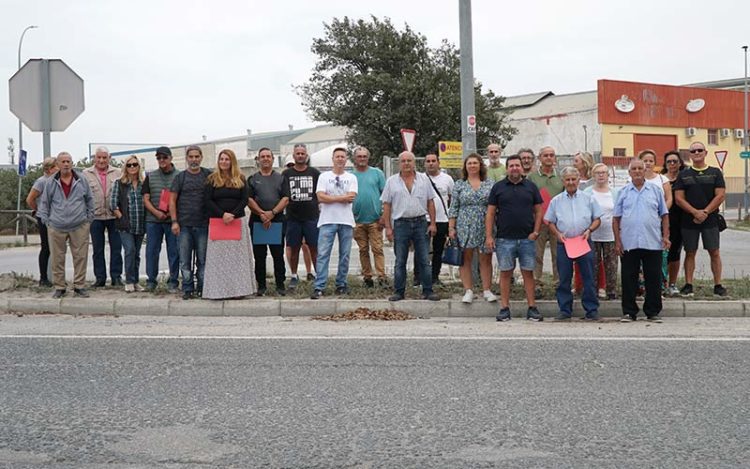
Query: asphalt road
[[182, 392], [734, 253]]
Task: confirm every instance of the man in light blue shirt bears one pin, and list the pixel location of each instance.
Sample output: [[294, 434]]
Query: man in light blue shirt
[[368, 231], [641, 226], [573, 214]]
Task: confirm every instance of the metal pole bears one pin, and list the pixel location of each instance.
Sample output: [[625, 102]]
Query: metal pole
[[746, 137], [585, 139], [20, 125], [468, 139]]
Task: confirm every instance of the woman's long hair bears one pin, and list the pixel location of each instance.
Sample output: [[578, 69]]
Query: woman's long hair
[[125, 178], [235, 179], [482, 167]]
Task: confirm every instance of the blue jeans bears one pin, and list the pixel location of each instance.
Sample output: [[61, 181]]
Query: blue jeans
[[406, 230], [132, 245], [155, 234], [115, 250], [193, 239], [589, 300], [326, 235]]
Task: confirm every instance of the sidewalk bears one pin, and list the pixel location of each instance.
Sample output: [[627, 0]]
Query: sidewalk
[[269, 307]]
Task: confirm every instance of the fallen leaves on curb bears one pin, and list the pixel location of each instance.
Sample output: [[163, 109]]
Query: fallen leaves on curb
[[367, 314]]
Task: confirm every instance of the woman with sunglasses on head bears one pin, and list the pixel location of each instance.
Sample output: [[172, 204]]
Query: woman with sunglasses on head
[[673, 164], [126, 201]]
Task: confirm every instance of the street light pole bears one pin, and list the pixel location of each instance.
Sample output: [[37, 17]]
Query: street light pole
[[468, 135], [746, 137], [20, 126]]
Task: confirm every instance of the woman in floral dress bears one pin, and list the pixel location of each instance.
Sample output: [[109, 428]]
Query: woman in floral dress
[[466, 223]]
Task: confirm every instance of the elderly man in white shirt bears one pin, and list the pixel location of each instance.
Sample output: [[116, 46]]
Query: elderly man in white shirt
[[407, 200]]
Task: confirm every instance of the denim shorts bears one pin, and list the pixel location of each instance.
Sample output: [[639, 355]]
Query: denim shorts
[[507, 250]]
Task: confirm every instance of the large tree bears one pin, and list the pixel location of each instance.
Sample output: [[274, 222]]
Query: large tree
[[375, 80]]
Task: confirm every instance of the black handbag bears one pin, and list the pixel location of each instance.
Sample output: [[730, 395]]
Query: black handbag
[[721, 222], [452, 254]]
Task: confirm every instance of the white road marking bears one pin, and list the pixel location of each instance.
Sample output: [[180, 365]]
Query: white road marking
[[379, 337]]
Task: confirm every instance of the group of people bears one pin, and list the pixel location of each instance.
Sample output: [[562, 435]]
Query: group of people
[[512, 211]]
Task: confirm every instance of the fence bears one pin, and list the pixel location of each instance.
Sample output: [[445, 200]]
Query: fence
[[21, 216]]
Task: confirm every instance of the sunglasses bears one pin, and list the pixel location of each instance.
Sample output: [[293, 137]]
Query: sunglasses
[[673, 161], [132, 165], [697, 150]]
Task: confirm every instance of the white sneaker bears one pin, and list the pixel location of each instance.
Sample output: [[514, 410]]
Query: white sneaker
[[489, 297], [468, 297], [673, 291], [138, 287], [602, 294], [129, 288]]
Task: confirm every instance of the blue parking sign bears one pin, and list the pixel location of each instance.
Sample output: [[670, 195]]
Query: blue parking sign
[[22, 163]]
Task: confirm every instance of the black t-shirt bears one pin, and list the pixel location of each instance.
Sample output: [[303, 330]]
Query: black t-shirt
[[675, 212], [303, 200], [267, 191], [515, 203], [220, 200], [699, 186], [190, 188]]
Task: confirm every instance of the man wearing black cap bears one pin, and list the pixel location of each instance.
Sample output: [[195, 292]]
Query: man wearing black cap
[[156, 195]]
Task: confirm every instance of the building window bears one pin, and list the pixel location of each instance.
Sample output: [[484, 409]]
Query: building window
[[619, 152], [713, 136]]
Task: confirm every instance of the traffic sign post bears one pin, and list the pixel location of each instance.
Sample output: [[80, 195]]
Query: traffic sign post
[[22, 163], [47, 96], [745, 155], [721, 157], [408, 137]]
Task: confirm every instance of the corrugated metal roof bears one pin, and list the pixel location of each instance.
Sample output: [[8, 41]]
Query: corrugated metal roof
[[728, 84], [525, 100], [323, 133], [553, 105]]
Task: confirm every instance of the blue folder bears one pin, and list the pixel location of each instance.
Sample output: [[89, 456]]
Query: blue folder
[[272, 235]]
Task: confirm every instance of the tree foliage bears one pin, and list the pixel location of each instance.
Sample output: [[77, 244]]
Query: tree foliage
[[375, 80]]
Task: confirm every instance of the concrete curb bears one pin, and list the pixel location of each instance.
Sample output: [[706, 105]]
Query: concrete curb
[[269, 307]]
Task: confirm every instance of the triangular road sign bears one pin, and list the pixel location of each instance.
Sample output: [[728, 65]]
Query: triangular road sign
[[721, 157], [408, 137]]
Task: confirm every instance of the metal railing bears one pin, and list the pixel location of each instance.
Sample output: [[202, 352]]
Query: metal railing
[[21, 216]]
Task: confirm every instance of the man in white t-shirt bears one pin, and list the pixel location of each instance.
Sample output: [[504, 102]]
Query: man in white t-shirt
[[444, 184], [336, 192]]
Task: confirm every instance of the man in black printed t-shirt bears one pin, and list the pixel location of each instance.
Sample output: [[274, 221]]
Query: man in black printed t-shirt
[[300, 182], [699, 191]]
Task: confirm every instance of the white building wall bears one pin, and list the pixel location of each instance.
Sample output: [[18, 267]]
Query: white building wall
[[565, 133]]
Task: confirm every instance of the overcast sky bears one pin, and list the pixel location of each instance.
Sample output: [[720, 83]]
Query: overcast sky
[[171, 71]]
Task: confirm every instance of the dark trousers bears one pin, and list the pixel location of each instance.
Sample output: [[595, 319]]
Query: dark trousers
[[438, 244], [43, 251], [631, 262], [97, 229], [279, 268]]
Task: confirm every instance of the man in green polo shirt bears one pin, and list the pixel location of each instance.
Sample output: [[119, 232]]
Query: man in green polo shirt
[[549, 185], [495, 170]]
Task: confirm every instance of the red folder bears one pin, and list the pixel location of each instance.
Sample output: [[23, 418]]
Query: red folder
[[164, 200], [220, 231], [546, 199], [576, 247]]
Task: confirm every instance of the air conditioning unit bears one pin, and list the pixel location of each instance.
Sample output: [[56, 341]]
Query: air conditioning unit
[[691, 131], [725, 133], [739, 133]]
